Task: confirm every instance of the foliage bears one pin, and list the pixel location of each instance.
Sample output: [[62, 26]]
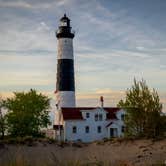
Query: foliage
[[143, 111], [28, 113], [2, 121]]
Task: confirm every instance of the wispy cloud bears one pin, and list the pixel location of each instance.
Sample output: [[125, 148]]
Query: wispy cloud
[[37, 4], [113, 45]]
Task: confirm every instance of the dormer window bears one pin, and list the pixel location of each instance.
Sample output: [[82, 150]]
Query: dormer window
[[96, 117], [87, 115], [100, 117]]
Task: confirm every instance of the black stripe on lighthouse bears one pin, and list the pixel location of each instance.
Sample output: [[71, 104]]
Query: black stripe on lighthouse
[[65, 75]]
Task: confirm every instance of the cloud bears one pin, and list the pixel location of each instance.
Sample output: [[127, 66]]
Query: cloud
[[15, 4], [111, 98], [108, 91], [21, 37], [37, 4], [112, 45], [43, 27]]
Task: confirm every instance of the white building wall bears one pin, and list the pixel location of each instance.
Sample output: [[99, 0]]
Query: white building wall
[[93, 133]]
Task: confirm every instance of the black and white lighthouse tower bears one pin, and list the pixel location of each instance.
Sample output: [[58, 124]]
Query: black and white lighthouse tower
[[65, 85]]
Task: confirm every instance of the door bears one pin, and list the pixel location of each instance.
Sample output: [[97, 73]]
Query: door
[[113, 132]]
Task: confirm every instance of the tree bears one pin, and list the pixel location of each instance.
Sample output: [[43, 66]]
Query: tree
[[143, 111], [2, 121], [28, 113]]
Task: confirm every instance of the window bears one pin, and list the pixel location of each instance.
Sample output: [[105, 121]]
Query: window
[[122, 117], [74, 129], [96, 117], [100, 117], [99, 129], [87, 115], [63, 23], [87, 129], [123, 129]]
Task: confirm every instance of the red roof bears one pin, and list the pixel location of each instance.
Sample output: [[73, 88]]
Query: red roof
[[111, 112], [74, 113], [71, 114]]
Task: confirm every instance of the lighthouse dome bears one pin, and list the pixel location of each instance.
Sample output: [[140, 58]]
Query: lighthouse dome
[[65, 21], [64, 30]]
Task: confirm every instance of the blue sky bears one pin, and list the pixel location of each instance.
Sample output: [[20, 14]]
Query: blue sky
[[115, 41]]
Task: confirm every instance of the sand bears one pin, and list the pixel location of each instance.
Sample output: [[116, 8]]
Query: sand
[[137, 152]]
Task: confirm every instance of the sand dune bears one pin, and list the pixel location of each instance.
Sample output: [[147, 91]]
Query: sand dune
[[137, 152]]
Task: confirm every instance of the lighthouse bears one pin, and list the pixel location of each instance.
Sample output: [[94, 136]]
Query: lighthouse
[[79, 123], [65, 85]]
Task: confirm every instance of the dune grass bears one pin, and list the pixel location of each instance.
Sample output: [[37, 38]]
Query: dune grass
[[20, 160]]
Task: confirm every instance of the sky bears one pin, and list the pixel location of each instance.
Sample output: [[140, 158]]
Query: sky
[[115, 42]]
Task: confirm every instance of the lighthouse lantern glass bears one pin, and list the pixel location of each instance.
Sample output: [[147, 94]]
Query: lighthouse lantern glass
[[63, 23]]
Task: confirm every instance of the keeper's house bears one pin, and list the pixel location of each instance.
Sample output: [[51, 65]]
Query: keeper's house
[[89, 124]]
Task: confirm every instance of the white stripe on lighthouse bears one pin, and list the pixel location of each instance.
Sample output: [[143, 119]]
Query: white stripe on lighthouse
[[66, 98], [65, 48]]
